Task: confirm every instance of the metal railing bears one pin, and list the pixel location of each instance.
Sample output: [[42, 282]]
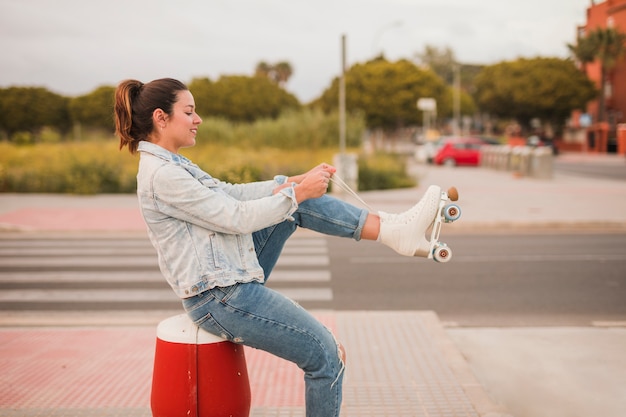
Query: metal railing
[[534, 162]]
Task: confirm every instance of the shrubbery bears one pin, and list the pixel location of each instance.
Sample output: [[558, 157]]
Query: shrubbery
[[383, 171], [243, 152], [71, 167]]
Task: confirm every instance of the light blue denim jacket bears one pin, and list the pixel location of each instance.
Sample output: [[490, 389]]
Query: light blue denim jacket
[[202, 227]]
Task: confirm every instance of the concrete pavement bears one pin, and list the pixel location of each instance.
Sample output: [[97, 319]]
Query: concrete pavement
[[554, 372]]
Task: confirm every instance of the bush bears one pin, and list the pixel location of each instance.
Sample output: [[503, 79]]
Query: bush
[[99, 167], [383, 171], [289, 145], [311, 129], [81, 168], [240, 164]]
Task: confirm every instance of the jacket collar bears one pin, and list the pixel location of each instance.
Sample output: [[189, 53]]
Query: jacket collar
[[156, 150]]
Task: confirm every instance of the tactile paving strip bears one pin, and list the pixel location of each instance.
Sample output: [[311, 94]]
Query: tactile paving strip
[[395, 369]]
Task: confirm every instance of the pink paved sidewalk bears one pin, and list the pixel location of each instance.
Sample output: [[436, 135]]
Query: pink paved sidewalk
[[73, 219], [94, 368], [399, 364]]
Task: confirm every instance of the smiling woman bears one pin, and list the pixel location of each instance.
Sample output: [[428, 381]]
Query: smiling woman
[[217, 243]]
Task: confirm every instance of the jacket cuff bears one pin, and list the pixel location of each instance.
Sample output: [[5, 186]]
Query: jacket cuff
[[280, 179], [290, 193]]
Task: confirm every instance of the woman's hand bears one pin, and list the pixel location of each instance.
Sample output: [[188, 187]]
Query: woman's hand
[[312, 184], [321, 167]]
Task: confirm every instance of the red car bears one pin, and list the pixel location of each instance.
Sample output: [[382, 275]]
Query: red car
[[459, 151]]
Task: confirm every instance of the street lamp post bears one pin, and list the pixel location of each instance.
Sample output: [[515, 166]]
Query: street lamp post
[[346, 164], [457, 100]]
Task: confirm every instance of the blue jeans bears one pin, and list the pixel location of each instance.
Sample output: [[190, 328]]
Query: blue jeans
[[256, 316]]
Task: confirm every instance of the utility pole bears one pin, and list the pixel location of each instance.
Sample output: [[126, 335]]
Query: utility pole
[[342, 98], [346, 164], [457, 99]]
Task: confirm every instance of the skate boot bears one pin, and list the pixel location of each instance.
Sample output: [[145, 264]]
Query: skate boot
[[406, 232]]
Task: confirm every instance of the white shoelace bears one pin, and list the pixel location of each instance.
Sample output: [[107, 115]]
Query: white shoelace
[[342, 184]]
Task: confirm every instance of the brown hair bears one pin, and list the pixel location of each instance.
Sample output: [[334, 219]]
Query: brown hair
[[135, 102]]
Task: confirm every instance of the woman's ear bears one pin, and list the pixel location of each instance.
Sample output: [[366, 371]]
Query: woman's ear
[[159, 117]]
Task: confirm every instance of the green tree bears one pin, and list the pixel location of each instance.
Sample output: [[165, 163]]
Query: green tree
[[387, 93], [241, 98], [94, 109], [547, 88], [607, 46], [29, 109]]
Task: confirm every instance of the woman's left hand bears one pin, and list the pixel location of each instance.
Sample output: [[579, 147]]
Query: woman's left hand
[[323, 167]]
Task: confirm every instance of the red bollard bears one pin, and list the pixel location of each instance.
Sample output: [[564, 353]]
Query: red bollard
[[197, 374]]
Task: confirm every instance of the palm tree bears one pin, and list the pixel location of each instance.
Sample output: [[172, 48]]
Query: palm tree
[[263, 69], [607, 46], [283, 72], [277, 73]]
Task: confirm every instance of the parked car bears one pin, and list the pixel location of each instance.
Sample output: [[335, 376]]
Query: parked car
[[426, 152], [460, 151]]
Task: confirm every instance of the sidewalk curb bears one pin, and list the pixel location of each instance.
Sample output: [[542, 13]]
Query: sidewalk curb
[[480, 399]]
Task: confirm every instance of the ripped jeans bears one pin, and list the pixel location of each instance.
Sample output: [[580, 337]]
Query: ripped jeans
[[256, 316]]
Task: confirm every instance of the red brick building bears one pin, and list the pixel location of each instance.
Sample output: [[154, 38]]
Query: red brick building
[[603, 137]]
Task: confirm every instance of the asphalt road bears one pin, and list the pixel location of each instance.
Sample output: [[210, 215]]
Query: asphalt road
[[492, 280], [614, 169]]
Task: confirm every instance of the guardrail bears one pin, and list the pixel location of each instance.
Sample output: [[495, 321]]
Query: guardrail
[[520, 160]]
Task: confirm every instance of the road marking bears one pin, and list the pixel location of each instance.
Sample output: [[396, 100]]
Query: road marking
[[73, 251], [80, 277], [317, 275], [303, 260], [117, 262], [299, 250], [92, 262], [608, 323], [99, 295], [499, 258], [109, 262], [307, 294], [136, 295]]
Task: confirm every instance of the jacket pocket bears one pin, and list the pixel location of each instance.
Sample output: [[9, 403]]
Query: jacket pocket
[[214, 251]]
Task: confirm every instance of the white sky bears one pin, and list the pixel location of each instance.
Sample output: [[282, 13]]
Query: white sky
[[73, 46]]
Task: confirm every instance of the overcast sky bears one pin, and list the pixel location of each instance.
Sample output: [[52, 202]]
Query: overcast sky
[[73, 46]]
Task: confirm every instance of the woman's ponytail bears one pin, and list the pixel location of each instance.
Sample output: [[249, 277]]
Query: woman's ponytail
[[125, 96]]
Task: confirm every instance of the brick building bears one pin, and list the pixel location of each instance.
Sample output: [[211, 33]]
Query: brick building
[[586, 132]]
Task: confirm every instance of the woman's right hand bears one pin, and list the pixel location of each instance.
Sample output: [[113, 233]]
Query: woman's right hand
[[313, 185]]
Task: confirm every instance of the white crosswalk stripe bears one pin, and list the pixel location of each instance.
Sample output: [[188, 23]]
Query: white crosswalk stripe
[[118, 273], [302, 267]]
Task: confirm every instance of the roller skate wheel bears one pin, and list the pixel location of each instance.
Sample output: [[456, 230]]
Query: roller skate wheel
[[453, 194], [442, 253], [451, 212]]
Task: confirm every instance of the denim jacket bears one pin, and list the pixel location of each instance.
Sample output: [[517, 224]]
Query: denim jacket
[[201, 227]]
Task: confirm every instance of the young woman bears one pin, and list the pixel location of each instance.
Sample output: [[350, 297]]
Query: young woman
[[217, 243]]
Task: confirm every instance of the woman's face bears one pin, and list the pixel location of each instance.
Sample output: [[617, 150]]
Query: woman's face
[[180, 128]]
